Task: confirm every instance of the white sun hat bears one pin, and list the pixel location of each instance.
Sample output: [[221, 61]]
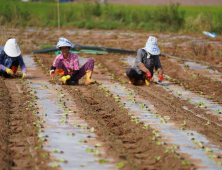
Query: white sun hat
[[151, 46], [11, 48], [63, 42]]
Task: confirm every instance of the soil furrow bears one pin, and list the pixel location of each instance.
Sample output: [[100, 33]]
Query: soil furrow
[[128, 139], [168, 105]]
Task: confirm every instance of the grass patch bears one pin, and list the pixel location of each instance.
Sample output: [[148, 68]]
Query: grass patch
[[87, 15]]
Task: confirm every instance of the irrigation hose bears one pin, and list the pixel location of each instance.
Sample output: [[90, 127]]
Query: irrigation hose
[[188, 60], [78, 47]]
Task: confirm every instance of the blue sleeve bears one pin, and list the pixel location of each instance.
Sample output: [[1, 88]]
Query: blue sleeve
[[22, 64], [2, 67]]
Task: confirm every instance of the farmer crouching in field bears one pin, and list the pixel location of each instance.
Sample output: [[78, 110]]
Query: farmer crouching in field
[[67, 64], [10, 59], [146, 60]]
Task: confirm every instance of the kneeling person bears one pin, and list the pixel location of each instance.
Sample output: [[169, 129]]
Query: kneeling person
[[146, 60], [67, 64], [10, 59]]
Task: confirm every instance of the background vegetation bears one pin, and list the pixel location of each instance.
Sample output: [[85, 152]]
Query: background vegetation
[[171, 18]]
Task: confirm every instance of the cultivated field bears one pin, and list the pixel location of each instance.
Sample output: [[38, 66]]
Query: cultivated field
[[113, 124]]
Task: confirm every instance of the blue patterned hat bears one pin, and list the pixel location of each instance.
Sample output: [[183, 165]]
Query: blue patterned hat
[[151, 46], [63, 42]]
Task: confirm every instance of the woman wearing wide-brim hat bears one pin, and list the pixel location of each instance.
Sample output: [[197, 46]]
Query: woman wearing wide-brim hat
[[11, 58], [66, 65], [146, 60]]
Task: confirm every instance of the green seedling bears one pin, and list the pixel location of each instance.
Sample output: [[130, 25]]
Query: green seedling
[[208, 123], [219, 163], [38, 147], [178, 93], [44, 155], [184, 123], [208, 150], [171, 98], [91, 130], [120, 165], [61, 160], [146, 126], [187, 86], [176, 157], [162, 120], [186, 162], [96, 153], [174, 146], [84, 165], [212, 156], [56, 151], [41, 135], [100, 65], [102, 161], [137, 121], [151, 138], [68, 134], [54, 164], [157, 158], [80, 140], [200, 144], [168, 150], [98, 145], [158, 143], [188, 99], [41, 140], [219, 111]]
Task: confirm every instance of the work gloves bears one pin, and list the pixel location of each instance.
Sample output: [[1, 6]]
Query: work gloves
[[148, 74], [52, 73], [161, 78], [24, 75], [9, 71]]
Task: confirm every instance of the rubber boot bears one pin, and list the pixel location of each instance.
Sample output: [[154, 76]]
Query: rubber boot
[[64, 79], [132, 80], [14, 69], [88, 77], [60, 72], [147, 80]]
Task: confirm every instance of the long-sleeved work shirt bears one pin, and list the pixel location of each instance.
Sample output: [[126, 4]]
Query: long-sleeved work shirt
[[6, 61], [142, 57]]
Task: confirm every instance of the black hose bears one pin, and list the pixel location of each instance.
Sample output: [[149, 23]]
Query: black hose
[[188, 60], [78, 47]]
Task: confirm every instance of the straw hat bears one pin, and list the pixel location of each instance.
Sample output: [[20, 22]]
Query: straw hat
[[63, 42], [11, 48], [151, 46]]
